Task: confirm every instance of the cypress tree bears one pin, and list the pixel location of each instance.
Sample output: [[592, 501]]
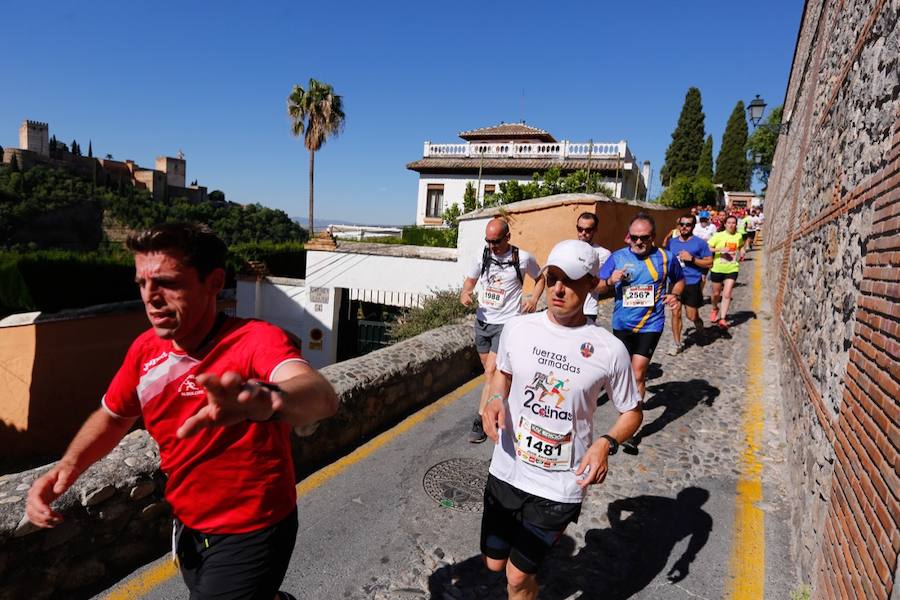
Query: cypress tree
[[704, 166], [90, 150], [683, 152], [14, 163], [732, 168]]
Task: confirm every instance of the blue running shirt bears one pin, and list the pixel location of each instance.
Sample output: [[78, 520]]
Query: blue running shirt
[[656, 270], [697, 248]]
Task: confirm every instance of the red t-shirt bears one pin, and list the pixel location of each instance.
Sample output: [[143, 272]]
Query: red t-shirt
[[232, 479]]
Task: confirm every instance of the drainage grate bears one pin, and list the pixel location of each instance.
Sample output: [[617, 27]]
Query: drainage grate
[[458, 483]]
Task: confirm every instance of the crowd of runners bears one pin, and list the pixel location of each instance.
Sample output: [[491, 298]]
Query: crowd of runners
[[546, 371], [221, 395]]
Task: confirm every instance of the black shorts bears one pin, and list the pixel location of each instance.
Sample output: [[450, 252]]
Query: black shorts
[[692, 296], [643, 343], [238, 565], [720, 277], [520, 526], [751, 235]]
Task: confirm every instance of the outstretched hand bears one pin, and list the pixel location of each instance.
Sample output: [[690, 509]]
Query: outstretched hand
[[230, 400], [47, 488]]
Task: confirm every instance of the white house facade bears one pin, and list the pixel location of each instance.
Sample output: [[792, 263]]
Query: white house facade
[[515, 151]]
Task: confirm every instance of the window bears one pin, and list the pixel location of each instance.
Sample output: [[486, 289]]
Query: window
[[489, 190], [434, 201]]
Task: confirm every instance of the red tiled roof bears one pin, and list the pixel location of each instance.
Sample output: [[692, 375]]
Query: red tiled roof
[[509, 165], [508, 131]]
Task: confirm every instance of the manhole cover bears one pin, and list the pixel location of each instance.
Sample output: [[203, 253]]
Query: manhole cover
[[458, 483]]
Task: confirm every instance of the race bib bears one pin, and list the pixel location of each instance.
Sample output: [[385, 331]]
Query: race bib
[[728, 253], [493, 297], [635, 296], [541, 447]]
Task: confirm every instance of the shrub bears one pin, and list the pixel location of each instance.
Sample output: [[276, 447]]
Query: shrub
[[441, 309], [423, 236], [685, 192], [283, 259], [54, 280]]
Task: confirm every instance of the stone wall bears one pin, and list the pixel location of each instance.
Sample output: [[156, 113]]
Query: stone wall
[[833, 251], [115, 515]]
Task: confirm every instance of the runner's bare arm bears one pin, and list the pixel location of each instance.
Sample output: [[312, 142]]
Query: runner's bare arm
[[306, 397], [465, 296], [703, 263], [594, 464], [494, 415], [99, 434], [536, 292]]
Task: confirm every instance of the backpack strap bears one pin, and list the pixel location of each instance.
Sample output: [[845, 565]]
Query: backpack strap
[[515, 262], [485, 261]]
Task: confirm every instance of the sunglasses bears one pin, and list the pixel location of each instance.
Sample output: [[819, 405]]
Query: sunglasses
[[584, 229], [643, 238], [495, 242], [685, 224]]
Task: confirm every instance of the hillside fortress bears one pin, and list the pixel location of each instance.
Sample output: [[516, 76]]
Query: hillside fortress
[[167, 180]]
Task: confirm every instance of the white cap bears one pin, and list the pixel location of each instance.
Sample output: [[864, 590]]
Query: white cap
[[575, 258]]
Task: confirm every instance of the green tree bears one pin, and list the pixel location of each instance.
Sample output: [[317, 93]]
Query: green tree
[[75, 151], [13, 164], [684, 151], [685, 191], [470, 198], [705, 165], [90, 150], [763, 141], [732, 168], [216, 196], [451, 215], [316, 113]]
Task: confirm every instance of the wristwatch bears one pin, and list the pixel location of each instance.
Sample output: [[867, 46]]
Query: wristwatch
[[272, 387], [613, 444]]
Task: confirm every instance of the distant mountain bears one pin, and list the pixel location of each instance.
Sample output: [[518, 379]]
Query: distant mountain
[[323, 223]]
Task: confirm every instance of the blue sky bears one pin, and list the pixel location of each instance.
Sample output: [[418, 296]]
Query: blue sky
[[142, 79]]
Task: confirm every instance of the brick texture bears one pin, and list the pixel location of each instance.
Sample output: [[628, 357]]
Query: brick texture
[[833, 250]]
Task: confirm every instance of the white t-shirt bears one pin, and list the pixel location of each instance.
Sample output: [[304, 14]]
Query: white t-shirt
[[752, 223], [590, 303], [557, 374], [704, 233], [500, 295]]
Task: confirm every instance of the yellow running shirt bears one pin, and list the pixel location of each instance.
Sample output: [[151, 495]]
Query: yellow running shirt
[[725, 246]]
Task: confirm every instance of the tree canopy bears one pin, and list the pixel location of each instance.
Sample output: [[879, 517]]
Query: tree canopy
[[732, 169], [42, 199], [705, 164], [684, 151]]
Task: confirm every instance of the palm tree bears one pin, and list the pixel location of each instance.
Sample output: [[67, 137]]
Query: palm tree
[[315, 113]]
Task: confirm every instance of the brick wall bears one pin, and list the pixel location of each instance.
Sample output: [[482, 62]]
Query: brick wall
[[833, 256]]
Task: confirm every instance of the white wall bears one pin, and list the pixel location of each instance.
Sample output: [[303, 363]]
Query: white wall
[[284, 302], [455, 188]]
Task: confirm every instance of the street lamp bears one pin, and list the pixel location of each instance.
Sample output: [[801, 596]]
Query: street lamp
[[756, 108]]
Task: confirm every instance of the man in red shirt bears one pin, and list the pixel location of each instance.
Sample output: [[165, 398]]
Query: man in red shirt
[[220, 396]]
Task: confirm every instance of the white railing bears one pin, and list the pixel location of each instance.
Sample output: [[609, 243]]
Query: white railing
[[563, 149]]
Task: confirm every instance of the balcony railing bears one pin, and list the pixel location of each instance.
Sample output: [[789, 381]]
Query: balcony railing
[[561, 150]]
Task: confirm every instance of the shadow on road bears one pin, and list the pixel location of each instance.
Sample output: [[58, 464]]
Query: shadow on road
[[614, 564], [678, 398]]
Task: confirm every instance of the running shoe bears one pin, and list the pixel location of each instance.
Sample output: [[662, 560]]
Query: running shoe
[[675, 350], [723, 324], [714, 315], [477, 435]]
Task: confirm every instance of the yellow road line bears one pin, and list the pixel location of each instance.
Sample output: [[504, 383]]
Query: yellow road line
[[747, 569], [143, 583]]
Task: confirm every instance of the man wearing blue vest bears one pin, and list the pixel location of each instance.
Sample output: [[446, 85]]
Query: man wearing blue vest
[[640, 275]]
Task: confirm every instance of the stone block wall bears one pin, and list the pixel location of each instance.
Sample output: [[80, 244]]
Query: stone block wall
[[833, 257], [115, 516]]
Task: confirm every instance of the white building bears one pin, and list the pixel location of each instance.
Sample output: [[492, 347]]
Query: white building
[[493, 155]]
